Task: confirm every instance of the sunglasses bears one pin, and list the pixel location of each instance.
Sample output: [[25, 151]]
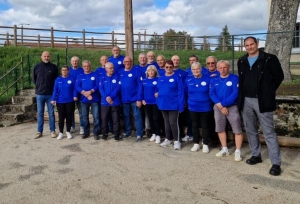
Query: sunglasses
[[210, 63]]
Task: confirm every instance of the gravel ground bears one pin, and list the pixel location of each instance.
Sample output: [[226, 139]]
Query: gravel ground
[[48, 170]]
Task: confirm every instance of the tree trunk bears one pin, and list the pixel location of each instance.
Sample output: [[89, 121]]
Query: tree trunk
[[283, 15]]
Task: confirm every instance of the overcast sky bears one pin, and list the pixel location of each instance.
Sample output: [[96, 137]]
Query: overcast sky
[[196, 17]]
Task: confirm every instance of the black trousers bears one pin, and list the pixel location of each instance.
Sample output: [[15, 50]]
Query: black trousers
[[154, 116], [65, 111], [171, 124], [111, 112], [200, 119]]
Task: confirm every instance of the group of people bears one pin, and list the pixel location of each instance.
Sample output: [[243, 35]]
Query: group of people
[[160, 96]]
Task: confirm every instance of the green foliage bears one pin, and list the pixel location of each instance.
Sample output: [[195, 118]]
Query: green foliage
[[172, 40], [224, 42]]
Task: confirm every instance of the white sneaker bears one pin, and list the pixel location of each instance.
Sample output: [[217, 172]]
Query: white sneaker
[[187, 138], [166, 143], [69, 136], [205, 149], [237, 156], [72, 130], [177, 145], [60, 136], [222, 153], [195, 148], [152, 139], [81, 132], [157, 139]]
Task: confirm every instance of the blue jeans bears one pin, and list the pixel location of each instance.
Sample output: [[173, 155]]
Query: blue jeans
[[78, 104], [85, 108], [137, 113], [41, 100]]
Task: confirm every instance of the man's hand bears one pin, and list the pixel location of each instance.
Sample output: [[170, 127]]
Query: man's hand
[[144, 102], [139, 104], [219, 106], [53, 103], [224, 111]]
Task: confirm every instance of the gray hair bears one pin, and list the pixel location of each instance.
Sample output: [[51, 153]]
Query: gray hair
[[196, 64], [116, 47], [223, 61], [152, 67], [161, 56], [75, 57], [109, 63], [142, 54], [86, 62], [212, 57]]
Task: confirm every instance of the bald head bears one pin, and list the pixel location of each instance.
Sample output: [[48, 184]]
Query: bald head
[[45, 57], [127, 63]]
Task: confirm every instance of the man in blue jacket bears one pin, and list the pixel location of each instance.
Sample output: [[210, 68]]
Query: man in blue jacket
[[260, 76], [44, 75], [117, 59]]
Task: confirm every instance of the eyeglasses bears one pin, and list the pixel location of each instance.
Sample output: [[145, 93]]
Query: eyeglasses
[[127, 61], [168, 67], [210, 63]]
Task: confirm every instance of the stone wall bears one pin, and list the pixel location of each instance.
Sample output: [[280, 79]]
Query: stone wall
[[287, 116]]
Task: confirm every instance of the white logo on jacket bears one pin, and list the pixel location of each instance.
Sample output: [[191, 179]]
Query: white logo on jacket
[[69, 82], [203, 83], [119, 62], [114, 81], [130, 75], [171, 80], [229, 83], [92, 78], [154, 83]]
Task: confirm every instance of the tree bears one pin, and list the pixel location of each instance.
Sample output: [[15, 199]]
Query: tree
[[171, 40], [282, 20], [224, 43]]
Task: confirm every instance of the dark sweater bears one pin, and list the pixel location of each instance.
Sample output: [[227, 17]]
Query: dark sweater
[[44, 75]]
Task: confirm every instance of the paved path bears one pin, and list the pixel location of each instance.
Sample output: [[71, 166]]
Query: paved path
[[47, 170]]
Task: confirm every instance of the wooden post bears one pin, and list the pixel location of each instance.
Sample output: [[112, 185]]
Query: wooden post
[[186, 42], [15, 35], [139, 42], [92, 42], [39, 41], [223, 44], [242, 43], [204, 43], [128, 28], [67, 41], [112, 38], [193, 46], [83, 38], [163, 43], [175, 45], [52, 37], [7, 39]]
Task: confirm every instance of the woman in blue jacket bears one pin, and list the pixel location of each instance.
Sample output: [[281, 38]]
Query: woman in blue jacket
[[64, 97], [149, 100], [170, 100], [199, 105]]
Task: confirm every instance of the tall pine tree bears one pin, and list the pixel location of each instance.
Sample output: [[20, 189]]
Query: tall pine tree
[[224, 42]]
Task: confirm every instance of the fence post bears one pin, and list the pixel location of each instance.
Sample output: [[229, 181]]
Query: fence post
[[242, 40], [83, 38], [7, 39], [204, 43], [22, 74], [175, 45], [112, 38], [93, 42], [67, 41], [29, 69], [52, 37], [39, 41], [66, 56], [186, 42], [223, 44], [163, 42], [15, 79], [15, 35], [139, 41], [232, 45]]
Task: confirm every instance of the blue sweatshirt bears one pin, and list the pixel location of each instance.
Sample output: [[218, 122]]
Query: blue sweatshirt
[[161, 72], [170, 93], [224, 90], [182, 73], [118, 62], [100, 71], [88, 82], [149, 89], [155, 64], [64, 90], [131, 85], [142, 69], [197, 91], [74, 72], [110, 86]]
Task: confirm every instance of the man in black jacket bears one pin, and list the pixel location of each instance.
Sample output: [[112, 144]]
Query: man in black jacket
[[44, 75], [260, 75]]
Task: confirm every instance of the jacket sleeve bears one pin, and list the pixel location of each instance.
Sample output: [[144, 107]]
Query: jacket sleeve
[[78, 84], [101, 88], [55, 90], [181, 98], [140, 86], [277, 71], [231, 99], [34, 74], [213, 93]]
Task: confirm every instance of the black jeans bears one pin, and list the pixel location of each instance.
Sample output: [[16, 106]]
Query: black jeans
[[200, 118], [107, 113], [171, 124], [154, 116], [65, 111]]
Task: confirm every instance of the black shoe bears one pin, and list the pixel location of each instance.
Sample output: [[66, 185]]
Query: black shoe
[[104, 137], [117, 138], [148, 132], [254, 160], [96, 137], [275, 170], [126, 136], [85, 135]]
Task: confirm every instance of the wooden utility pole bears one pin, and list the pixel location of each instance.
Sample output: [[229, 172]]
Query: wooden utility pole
[[128, 28]]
